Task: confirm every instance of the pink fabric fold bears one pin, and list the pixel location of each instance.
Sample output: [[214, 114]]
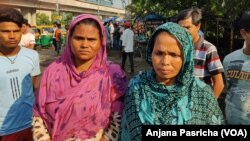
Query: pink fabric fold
[[78, 105]]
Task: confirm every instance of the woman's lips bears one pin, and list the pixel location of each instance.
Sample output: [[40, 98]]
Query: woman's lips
[[165, 71]]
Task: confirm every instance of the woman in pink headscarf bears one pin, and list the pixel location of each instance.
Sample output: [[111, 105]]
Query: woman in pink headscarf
[[80, 94]]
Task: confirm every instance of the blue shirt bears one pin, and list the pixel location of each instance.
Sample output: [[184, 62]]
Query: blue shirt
[[16, 90]]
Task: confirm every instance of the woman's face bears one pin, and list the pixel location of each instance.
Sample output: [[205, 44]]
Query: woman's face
[[166, 58], [85, 43]]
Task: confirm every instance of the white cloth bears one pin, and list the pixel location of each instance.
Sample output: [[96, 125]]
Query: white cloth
[[112, 29], [121, 30], [244, 45], [128, 40], [27, 39], [54, 32]]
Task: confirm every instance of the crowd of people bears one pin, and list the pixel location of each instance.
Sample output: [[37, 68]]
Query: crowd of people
[[84, 96]]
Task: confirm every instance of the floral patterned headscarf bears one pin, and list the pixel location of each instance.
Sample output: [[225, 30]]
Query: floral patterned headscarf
[[188, 101]]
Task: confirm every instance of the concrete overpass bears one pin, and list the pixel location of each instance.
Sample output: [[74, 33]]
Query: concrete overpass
[[29, 7]]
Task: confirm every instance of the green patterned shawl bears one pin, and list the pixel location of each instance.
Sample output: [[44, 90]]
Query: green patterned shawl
[[188, 102]]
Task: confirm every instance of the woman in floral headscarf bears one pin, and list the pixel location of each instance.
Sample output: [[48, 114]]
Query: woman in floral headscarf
[[80, 94], [168, 94]]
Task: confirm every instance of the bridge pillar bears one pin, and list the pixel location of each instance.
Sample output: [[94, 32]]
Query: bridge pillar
[[29, 14]]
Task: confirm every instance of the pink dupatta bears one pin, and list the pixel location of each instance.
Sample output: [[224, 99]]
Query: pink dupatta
[[78, 105]]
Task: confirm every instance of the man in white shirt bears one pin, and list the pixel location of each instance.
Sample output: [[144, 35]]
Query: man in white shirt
[[28, 39], [127, 46], [111, 30]]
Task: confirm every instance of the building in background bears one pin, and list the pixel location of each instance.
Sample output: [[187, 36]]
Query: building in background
[[102, 8]]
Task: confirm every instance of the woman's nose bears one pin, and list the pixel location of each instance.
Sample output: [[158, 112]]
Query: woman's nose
[[166, 59], [84, 43]]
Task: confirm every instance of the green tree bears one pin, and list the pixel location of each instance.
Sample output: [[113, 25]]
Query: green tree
[[228, 9], [42, 19], [54, 17], [219, 16], [232, 10], [64, 17]]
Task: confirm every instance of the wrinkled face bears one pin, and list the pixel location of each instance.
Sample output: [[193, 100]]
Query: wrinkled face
[[24, 28], [85, 42], [10, 35], [192, 29], [166, 58]]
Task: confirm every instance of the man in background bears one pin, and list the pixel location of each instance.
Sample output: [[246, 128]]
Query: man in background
[[237, 71], [208, 66], [127, 46], [111, 32], [28, 39], [54, 35], [58, 34], [19, 69]]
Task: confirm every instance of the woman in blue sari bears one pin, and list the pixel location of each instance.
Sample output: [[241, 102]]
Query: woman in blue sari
[[168, 94]]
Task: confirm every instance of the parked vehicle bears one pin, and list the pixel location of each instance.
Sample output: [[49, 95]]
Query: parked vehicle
[[46, 29], [37, 32]]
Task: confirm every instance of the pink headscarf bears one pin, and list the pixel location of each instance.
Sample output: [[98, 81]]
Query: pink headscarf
[[78, 105]]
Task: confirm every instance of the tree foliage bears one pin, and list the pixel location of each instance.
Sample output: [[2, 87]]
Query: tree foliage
[[220, 17], [226, 11], [64, 17], [42, 19]]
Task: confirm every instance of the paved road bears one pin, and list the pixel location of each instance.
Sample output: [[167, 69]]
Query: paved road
[[49, 55]]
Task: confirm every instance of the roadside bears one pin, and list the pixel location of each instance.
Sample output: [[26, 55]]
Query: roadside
[[49, 55]]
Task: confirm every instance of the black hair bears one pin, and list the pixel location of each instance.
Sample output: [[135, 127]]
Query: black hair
[[58, 25], [195, 13], [11, 15], [67, 27], [25, 21], [245, 20]]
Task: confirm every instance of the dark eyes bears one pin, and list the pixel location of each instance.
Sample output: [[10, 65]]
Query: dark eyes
[[174, 55], [81, 38], [6, 31], [159, 53], [78, 38], [92, 40], [16, 31]]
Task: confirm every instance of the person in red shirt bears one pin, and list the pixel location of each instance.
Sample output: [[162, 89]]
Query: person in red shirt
[[58, 34]]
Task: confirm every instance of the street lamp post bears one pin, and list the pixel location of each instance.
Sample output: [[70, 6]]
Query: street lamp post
[[57, 10], [124, 6], [98, 8]]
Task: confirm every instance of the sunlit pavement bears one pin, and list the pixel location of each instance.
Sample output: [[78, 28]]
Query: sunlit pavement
[[49, 55]]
